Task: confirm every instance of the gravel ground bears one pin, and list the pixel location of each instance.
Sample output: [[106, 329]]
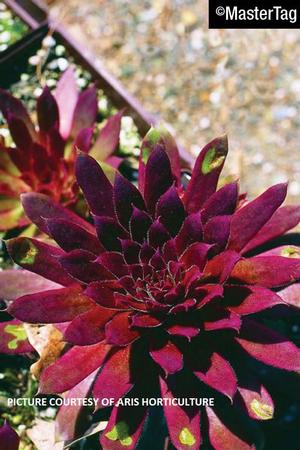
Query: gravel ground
[[203, 82]]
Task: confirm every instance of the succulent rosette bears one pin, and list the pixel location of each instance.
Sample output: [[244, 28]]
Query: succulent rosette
[[41, 158], [9, 439], [164, 296]]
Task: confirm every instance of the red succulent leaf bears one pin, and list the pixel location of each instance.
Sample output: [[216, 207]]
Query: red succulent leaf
[[159, 138], [221, 203], [117, 331], [40, 258], [39, 207], [157, 182], [183, 423], [83, 140], [47, 111], [284, 219], [71, 236], [108, 138], [218, 374], [205, 174], [66, 96], [14, 283], [88, 327], [124, 428], [114, 379], [167, 356], [269, 346], [85, 112], [73, 367], [11, 105], [247, 221], [68, 416], [9, 439], [54, 306], [96, 187], [267, 271], [224, 438]]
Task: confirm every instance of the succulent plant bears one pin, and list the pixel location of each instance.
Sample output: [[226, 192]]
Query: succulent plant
[[41, 159], [9, 439], [165, 295]]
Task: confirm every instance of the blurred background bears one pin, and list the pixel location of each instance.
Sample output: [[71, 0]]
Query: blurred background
[[203, 82]]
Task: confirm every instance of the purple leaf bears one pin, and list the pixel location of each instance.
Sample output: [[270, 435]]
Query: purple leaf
[[157, 182], [66, 96], [205, 175], [9, 439], [71, 368], [55, 306], [38, 257], [283, 220], [95, 185], [108, 138], [267, 271], [47, 111], [14, 283], [39, 207], [86, 110], [11, 105], [248, 220], [268, 346]]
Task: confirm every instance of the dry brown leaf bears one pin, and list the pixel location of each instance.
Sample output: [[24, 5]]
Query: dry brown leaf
[[47, 340]]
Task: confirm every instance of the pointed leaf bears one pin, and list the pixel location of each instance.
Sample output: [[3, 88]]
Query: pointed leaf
[[39, 207], [71, 368], [190, 232], [223, 202], [269, 347], [14, 283], [245, 300], [38, 257], [47, 111], [284, 219], [124, 428], [88, 327], [82, 265], [267, 271], [126, 196], [66, 96], [205, 175], [95, 185], [183, 423], [171, 211], [114, 380], [12, 105], [117, 331], [9, 439], [158, 177], [219, 375], [167, 356], [55, 306], [222, 437], [70, 236], [108, 138], [83, 140], [248, 220], [86, 110]]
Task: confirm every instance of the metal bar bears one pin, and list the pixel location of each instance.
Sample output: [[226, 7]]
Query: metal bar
[[30, 12]]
